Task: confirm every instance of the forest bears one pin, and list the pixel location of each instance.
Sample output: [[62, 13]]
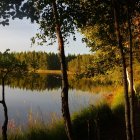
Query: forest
[[41, 60], [111, 29]]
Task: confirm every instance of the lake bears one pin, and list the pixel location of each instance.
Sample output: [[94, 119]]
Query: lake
[[40, 97]]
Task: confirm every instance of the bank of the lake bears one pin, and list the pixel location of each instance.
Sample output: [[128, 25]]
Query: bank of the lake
[[101, 122], [94, 122]]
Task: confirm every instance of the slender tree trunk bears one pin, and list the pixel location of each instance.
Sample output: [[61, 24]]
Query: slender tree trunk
[[64, 94], [127, 105], [132, 96], [3, 89], [4, 127], [119, 39]]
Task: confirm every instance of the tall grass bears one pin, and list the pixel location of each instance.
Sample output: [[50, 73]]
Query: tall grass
[[118, 99], [90, 123]]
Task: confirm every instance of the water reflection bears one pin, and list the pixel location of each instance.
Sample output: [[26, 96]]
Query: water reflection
[[37, 82], [90, 85], [43, 103], [41, 82], [40, 95]]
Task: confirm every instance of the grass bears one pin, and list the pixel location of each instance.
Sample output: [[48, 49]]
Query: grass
[[39, 131], [118, 99], [89, 121]]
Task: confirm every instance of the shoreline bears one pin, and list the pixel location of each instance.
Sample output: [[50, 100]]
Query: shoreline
[[50, 72]]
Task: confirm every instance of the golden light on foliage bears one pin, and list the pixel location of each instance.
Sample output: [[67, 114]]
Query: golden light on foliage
[[136, 22]]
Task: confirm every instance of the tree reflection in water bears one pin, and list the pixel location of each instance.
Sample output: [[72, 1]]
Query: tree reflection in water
[[37, 82]]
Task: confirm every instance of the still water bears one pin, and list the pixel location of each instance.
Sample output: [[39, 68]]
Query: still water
[[40, 96]]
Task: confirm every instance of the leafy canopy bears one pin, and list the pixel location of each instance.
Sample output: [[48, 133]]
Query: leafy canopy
[[11, 66], [42, 13]]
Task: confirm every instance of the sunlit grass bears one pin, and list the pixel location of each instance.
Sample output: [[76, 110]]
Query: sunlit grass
[[118, 98]]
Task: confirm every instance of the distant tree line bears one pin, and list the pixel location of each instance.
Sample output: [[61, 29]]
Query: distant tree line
[[40, 60]]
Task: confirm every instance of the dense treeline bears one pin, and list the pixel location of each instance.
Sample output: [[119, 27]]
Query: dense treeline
[[101, 68], [83, 65], [93, 65], [40, 60]]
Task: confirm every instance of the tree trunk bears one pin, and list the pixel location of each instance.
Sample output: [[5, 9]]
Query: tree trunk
[[119, 39], [4, 127], [64, 93], [127, 105], [3, 89], [131, 72]]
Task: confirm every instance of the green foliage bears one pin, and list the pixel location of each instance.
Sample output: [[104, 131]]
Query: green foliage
[[99, 28], [100, 68], [112, 76], [41, 12], [10, 9], [10, 66], [94, 65], [41, 60], [100, 35], [82, 66]]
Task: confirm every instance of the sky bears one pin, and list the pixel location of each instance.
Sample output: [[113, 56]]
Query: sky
[[17, 35]]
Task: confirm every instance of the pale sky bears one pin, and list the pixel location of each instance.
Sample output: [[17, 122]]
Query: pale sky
[[17, 37]]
